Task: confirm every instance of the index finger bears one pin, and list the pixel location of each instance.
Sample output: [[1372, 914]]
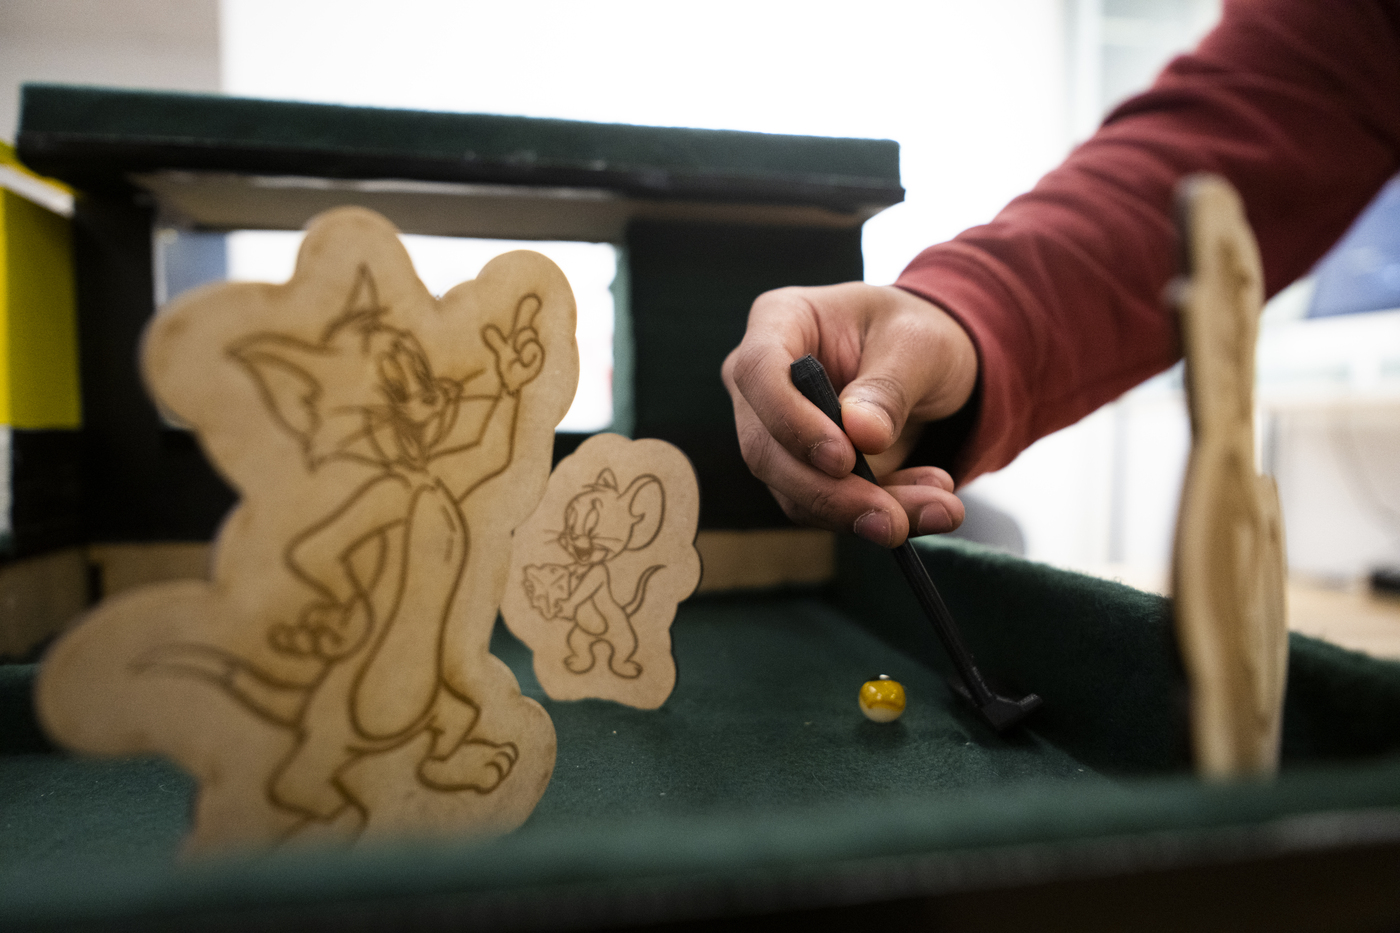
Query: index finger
[[758, 370]]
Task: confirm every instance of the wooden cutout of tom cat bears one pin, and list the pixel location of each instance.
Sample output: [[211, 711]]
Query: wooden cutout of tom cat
[[1229, 563], [598, 571], [333, 681]]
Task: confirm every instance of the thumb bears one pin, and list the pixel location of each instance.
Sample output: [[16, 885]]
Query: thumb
[[916, 363], [874, 408]]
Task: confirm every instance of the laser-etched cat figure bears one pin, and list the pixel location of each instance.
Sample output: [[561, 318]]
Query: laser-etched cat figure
[[375, 621], [332, 680]]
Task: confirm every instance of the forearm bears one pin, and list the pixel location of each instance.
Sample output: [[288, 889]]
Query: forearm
[[1297, 103]]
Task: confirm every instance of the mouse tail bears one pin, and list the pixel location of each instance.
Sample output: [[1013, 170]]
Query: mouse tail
[[635, 602]]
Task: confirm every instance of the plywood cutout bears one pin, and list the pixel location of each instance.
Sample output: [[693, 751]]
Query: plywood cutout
[[333, 681], [598, 571], [1229, 563]]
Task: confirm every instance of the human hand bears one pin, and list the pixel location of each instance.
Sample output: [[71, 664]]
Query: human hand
[[899, 361]]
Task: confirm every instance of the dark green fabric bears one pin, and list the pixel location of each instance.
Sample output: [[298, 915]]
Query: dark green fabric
[[19, 730], [62, 812], [691, 289], [879, 847], [77, 131], [1103, 657], [765, 712], [1340, 704], [759, 785]]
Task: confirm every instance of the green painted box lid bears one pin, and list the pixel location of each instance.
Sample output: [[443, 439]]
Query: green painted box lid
[[93, 136]]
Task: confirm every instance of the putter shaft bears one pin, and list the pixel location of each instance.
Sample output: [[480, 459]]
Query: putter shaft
[[811, 380]]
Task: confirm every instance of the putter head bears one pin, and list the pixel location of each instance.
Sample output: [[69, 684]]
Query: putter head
[[1000, 712]]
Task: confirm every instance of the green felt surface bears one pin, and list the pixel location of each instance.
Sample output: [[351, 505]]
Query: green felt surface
[[79, 133], [765, 714], [759, 785], [1103, 657]]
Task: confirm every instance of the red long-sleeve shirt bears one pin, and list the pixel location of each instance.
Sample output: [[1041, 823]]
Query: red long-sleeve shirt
[[1296, 102]]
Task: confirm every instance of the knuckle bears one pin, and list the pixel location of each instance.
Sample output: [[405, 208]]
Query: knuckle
[[743, 366], [820, 501], [726, 369], [783, 307], [778, 296], [756, 445], [791, 509]]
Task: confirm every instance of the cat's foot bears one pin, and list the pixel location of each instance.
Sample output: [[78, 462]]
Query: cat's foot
[[479, 766], [628, 669], [453, 719], [579, 663], [340, 829]]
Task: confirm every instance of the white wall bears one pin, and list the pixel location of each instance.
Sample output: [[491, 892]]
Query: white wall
[[129, 43], [1330, 388], [975, 93], [1340, 489], [1101, 495]]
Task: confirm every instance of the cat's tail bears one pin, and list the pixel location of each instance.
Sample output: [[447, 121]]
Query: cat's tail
[[636, 602], [264, 695]]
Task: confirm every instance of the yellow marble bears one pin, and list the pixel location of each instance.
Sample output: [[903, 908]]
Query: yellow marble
[[882, 700]]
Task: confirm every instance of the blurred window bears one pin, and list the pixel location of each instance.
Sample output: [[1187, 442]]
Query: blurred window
[[185, 259]]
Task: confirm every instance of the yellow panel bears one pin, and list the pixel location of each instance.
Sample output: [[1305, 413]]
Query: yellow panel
[[5, 198], [40, 332]]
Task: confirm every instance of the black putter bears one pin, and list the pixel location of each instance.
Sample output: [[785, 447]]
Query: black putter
[[1000, 712]]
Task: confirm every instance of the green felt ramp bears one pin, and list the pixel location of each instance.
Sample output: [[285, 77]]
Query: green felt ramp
[[759, 787], [764, 715]]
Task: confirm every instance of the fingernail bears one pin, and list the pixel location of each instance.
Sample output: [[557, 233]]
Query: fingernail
[[826, 456], [934, 519], [874, 526], [877, 410]]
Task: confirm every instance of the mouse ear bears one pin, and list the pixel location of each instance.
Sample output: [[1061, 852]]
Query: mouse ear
[[646, 500]]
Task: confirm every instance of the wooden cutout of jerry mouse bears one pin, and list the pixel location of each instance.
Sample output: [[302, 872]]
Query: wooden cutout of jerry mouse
[[598, 571], [332, 681]]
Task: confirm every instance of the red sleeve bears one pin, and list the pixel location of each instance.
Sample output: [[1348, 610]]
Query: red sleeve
[[1296, 102]]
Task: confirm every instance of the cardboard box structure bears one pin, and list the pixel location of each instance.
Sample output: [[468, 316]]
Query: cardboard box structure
[[758, 792]]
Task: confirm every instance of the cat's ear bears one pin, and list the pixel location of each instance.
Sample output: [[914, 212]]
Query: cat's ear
[[646, 500], [606, 480], [281, 367]]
